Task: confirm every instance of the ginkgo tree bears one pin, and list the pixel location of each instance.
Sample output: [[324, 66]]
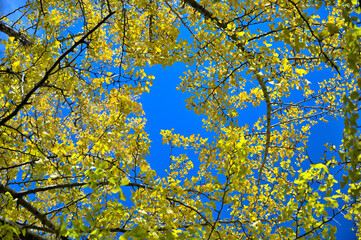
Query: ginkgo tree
[[73, 143]]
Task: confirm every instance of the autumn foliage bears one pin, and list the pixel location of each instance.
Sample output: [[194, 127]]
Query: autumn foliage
[[73, 145]]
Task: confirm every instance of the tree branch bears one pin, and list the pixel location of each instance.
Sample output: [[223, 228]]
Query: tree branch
[[28, 234], [208, 15], [46, 222], [268, 126], [13, 33], [314, 35], [49, 72], [69, 185], [19, 165]]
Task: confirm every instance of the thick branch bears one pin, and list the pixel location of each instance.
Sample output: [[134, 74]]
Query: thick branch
[[205, 13], [221, 25], [268, 126], [51, 187], [28, 233], [69, 185], [46, 222], [13, 33]]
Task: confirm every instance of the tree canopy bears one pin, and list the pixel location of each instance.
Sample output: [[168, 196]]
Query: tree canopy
[[73, 146]]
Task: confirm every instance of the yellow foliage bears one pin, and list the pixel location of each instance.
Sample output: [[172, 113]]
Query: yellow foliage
[[73, 144]]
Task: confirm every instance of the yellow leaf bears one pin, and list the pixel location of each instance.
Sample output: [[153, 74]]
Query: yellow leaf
[[300, 72]]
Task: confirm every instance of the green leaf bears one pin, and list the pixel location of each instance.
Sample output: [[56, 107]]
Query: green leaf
[[354, 95], [332, 28], [342, 155], [344, 181], [328, 192], [122, 196], [124, 182]]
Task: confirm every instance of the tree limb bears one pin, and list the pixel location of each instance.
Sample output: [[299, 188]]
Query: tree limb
[[69, 185], [29, 235], [46, 222], [13, 33]]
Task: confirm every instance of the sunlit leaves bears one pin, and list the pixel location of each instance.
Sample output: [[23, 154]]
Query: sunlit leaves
[[78, 145]]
